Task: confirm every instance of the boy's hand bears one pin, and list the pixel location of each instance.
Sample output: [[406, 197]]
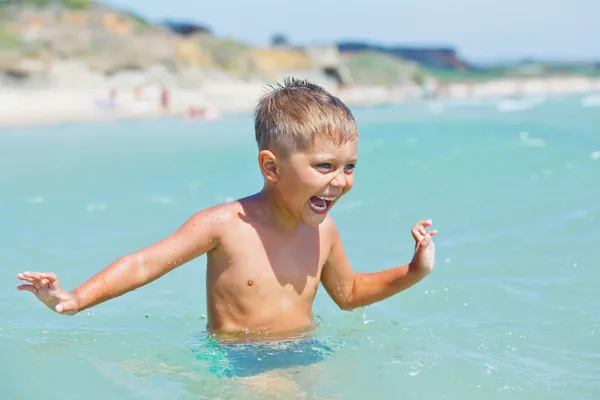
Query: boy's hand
[[424, 256], [46, 287]]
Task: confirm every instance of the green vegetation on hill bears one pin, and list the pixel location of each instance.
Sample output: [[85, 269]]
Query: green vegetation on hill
[[376, 68]]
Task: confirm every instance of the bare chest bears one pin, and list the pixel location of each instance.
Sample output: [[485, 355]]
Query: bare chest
[[264, 263]]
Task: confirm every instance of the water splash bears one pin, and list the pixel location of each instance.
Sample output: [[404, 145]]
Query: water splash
[[364, 315]]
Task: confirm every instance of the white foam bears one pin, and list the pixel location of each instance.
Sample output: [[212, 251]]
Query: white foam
[[595, 155]]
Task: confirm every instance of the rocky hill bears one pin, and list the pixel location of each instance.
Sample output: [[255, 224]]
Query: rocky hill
[[38, 35], [109, 41]]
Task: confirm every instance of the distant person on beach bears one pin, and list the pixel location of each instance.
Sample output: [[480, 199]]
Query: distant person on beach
[[164, 99], [266, 253]]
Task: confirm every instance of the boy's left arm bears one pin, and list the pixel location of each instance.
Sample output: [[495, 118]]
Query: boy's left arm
[[350, 290]]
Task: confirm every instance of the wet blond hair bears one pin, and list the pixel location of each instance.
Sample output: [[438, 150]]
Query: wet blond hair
[[289, 117]]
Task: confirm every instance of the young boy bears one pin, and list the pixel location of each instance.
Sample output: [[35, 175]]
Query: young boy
[[267, 253]]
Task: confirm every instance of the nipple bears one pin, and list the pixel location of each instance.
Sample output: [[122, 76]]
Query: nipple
[[250, 282]]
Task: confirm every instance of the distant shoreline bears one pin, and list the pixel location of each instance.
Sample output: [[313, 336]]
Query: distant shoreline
[[38, 107]]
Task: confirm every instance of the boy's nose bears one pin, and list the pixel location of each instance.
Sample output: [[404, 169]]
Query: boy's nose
[[340, 181]]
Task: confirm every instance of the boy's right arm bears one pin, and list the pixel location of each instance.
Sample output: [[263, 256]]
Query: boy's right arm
[[194, 238]]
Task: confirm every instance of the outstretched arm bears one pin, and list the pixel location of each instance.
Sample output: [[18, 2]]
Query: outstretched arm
[[350, 290], [194, 238]]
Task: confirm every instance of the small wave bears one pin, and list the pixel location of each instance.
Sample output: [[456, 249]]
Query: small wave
[[35, 199], [163, 200], [224, 200], [509, 105], [531, 141], [590, 101], [91, 207]]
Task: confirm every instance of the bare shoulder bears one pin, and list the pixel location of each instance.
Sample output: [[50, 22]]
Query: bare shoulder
[[329, 231], [217, 218]]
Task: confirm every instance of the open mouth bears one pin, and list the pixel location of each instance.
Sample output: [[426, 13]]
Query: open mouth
[[320, 204]]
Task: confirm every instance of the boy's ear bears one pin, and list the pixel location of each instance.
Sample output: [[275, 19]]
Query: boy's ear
[[268, 165]]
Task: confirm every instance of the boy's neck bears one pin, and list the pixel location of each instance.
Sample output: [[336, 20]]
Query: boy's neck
[[274, 211]]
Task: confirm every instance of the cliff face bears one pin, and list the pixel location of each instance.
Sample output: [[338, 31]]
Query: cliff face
[[433, 58]]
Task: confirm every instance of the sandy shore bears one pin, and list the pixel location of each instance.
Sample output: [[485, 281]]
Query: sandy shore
[[33, 106]]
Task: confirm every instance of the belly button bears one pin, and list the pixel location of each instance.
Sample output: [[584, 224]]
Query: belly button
[[250, 282]]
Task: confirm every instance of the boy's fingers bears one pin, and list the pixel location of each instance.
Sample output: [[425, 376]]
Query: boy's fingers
[[416, 234], [425, 241], [28, 288], [421, 224], [50, 276], [24, 277], [36, 282], [31, 280], [33, 275]]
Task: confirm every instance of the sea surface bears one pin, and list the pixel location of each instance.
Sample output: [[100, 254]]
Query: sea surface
[[511, 310]]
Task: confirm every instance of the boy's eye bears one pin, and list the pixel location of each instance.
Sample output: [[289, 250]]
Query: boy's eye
[[350, 167], [325, 166]]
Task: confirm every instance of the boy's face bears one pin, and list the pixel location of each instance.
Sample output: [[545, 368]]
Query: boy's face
[[310, 182]]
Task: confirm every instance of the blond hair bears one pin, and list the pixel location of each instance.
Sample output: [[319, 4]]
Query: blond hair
[[290, 117]]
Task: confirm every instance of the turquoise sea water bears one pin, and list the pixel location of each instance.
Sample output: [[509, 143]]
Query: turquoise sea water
[[511, 310]]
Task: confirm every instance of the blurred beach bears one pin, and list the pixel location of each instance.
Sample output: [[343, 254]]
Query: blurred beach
[[71, 103], [81, 60]]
